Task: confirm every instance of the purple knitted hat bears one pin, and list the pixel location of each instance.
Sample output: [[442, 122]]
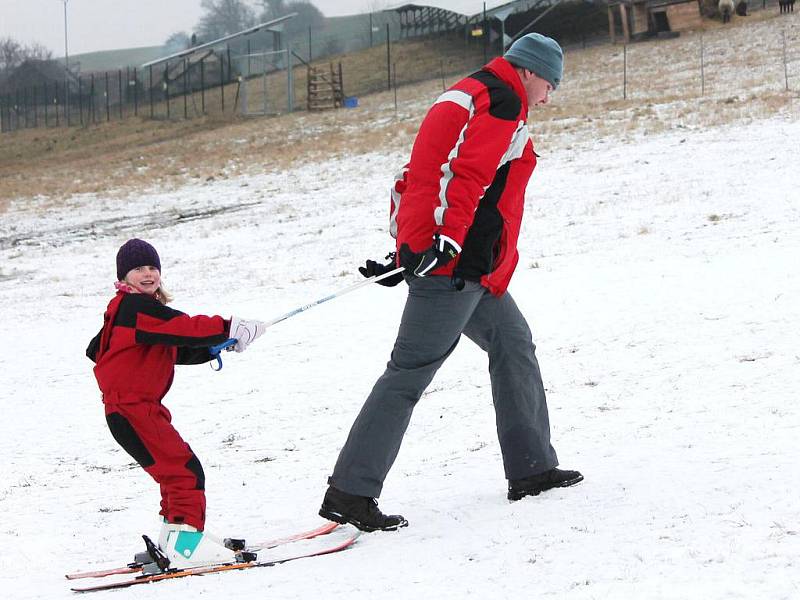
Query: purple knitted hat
[[136, 253]]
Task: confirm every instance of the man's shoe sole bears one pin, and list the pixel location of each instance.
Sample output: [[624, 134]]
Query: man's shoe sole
[[345, 520], [514, 495]]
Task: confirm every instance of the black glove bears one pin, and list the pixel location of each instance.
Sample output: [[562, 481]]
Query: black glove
[[373, 269], [439, 254]]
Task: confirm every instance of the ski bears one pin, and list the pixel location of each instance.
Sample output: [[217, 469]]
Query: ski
[[135, 567], [348, 541]]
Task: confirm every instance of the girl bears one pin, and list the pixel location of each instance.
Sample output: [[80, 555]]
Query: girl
[[135, 353]]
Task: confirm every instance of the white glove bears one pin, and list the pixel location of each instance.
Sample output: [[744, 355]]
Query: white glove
[[245, 332]]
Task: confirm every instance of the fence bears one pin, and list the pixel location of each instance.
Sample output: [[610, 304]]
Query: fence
[[229, 83], [708, 64], [181, 88]]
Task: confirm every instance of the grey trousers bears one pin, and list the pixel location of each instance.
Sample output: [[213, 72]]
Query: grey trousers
[[433, 320]]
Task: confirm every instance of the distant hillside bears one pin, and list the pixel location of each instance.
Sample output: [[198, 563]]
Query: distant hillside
[[110, 60]]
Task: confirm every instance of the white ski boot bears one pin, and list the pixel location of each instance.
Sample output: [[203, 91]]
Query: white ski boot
[[186, 547]]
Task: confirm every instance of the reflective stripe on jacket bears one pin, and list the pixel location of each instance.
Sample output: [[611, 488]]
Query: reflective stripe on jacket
[[466, 179]]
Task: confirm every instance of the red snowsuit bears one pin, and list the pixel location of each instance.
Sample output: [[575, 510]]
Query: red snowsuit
[[466, 179], [135, 354]]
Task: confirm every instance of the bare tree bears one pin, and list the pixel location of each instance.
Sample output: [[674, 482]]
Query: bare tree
[[273, 8], [178, 41], [223, 17], [308, 15], [13, 54]]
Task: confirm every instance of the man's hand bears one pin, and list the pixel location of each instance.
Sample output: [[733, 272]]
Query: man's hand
[[443, 250], [373, 269]]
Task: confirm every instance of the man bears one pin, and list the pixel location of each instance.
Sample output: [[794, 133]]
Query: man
[[456, 214]]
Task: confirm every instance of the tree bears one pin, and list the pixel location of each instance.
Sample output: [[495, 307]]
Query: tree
[[224, 17], [178, 41], [308, 15], [13, 54]]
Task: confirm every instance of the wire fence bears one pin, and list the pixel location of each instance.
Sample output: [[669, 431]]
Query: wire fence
[[179, 89], [254, 80]]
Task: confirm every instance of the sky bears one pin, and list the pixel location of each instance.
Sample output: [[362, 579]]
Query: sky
[[94, 25]]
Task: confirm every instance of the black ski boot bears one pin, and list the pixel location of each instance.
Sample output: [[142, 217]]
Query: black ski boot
[[536, 484], [361, 511]]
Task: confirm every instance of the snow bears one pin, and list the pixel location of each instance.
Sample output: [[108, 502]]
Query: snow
[[658, 273]]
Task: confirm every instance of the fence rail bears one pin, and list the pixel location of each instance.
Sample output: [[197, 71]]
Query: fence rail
[[227, 83]]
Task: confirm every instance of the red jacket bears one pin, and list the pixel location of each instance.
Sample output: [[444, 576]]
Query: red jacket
[[140, 343], [466, 178]]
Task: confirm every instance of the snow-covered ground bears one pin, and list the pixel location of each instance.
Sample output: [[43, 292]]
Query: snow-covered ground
[[659, 275]]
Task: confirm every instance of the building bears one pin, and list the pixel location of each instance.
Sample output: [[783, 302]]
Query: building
[[634, 20]]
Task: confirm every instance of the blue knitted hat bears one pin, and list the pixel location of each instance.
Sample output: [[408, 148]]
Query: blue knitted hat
[[540, 54], [136, 253]]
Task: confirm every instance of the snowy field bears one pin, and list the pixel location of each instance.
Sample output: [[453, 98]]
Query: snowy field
[[659, 275]]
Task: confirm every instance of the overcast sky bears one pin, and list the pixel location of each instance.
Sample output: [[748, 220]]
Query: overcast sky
[[110, 24]]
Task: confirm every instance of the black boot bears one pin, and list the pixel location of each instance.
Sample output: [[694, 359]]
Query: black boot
[[361, 511], [536, 484]]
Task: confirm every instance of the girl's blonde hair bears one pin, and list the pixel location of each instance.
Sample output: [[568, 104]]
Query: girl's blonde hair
[[163, 296]]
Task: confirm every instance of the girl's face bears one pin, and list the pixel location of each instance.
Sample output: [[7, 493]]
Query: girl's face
[[145, 279]]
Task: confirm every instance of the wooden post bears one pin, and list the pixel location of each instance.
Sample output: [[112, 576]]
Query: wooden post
[[611, 29], [625, 32]]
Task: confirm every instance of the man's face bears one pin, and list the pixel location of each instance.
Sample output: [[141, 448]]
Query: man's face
[[537, 89]]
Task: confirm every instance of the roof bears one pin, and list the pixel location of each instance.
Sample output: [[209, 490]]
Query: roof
[[469, 8]]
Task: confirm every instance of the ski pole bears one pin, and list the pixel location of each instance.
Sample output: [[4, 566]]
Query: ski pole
[[231, 342]]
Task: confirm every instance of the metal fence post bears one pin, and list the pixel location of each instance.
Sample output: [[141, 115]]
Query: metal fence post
[[785, 67], [203, 86], [222, 80], [119, 80], [485, 35], [394, 72], [166, 87], [66, 100], [135, 93], [92, 108], [185, 89], [35, 107], [108, 101], [625, 72], [80, 101], [702, 68], [388, 60], [289, 78], [150, 91]]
